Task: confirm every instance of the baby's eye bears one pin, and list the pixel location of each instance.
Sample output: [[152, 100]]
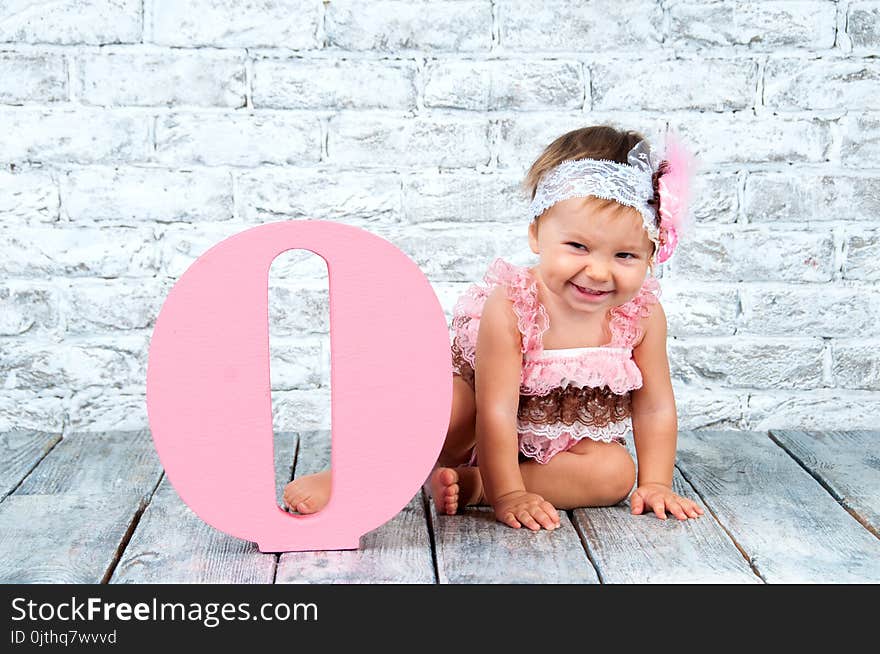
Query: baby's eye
[[577, 245], [627, 254]]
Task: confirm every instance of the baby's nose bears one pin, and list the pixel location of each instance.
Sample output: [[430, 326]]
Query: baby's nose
[[598, 274]]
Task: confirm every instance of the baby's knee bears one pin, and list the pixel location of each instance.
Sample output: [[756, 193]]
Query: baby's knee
[[617, 477], [455, 451]]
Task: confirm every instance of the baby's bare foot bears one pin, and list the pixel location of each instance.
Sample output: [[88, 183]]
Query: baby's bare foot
[[454, 487], [308, 494], [444, 490]]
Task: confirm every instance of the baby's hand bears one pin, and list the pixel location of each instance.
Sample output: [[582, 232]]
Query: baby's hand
[[659, 498], [519, 508]]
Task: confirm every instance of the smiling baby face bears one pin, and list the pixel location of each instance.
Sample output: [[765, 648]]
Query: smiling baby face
[[594, 254]]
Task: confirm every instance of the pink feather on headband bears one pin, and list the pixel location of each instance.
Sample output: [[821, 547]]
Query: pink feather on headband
[[674, 189]]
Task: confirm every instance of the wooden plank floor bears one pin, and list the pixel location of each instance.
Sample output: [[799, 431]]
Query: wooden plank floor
[[780, 507]]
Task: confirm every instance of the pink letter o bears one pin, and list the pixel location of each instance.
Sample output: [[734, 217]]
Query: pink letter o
[[208, 389]]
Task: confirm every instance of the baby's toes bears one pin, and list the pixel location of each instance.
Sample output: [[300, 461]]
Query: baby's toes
[[448, 477], [293, 495], [305, 506]]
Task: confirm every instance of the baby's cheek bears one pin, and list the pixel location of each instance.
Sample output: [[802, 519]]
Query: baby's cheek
[[623, 298]]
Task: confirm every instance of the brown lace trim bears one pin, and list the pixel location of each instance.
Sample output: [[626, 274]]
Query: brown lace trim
[[460, 366], [595, 407]]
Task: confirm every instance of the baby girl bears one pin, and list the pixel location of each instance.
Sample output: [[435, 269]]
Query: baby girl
[[555, 365]]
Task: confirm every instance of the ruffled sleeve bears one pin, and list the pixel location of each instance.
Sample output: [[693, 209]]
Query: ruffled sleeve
[[625, 319], [531, 317]]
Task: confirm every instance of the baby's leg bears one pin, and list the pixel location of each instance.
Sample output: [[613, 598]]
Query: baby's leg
[[310, 494], [591, 473], [460, 436], [450, 485]]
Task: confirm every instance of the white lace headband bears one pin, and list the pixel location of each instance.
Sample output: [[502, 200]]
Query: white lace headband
[[630, 184]]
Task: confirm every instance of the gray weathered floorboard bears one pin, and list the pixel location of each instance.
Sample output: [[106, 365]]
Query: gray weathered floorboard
[[313, 454], [397, 552], [173, 545], [645, 549], [72, 510], [474, 548], [847, 462], [792, 530], [67, 520], [20, 451], [99, 462], [284, 454], [66, 538]]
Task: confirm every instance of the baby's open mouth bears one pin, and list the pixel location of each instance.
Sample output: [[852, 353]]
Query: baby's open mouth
[[590, 291]]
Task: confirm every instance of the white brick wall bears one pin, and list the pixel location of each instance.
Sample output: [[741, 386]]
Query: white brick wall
[[138, 133]]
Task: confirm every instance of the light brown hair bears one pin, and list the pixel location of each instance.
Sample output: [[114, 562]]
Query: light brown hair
[[596, 142]]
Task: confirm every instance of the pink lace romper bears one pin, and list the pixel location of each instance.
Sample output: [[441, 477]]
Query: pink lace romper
[[568, 394]]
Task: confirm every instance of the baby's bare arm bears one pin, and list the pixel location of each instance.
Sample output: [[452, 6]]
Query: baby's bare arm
[[654, 417], [497, 377], [498, 372], [655, 426]]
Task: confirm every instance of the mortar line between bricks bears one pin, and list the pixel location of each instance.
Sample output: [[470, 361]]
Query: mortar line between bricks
[[143, 21], [588, 86], [841, 9], [67, 69], [495, 30], [665, 21], [746, 117], [248, 80], [827, 363], [321, 25], [73, 74], [420, 81], [763, 168], [760, 82], [324, 53], [841, 250]]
